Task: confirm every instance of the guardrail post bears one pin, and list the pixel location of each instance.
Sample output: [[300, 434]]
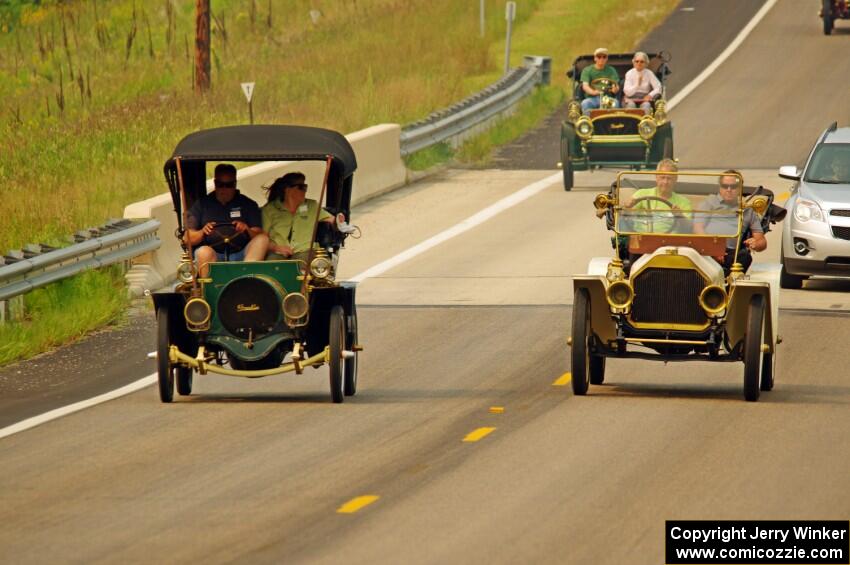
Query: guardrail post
[[543, 63], [11, 310]]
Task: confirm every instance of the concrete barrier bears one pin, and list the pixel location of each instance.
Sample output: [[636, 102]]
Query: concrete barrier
[[379, 170]]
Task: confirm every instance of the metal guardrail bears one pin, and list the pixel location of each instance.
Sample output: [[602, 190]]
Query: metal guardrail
[[122, 241], [39, 265], [477, 109]]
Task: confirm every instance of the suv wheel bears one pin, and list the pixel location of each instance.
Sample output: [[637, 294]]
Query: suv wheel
[[786, 279]]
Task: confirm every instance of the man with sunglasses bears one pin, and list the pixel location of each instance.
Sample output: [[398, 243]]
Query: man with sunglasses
[[724, 220], [289, 217], [225, 225], [599, 69]]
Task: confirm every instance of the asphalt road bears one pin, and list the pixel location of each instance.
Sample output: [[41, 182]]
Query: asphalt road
[[468, 335]]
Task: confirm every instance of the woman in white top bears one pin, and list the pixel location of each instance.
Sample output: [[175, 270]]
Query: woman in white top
[[641, 85]]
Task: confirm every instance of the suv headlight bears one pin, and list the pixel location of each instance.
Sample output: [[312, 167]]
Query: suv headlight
[[320, 267], [584, 127], [806, 210], [647, 128]]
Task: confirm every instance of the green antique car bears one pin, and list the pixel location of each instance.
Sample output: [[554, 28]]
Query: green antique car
[[614, 137], [254, 319]]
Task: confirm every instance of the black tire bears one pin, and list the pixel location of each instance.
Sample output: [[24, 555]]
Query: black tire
[[349, 385], [580, 351], [768, 371], [597, 369], [567, 166], [786, 279], [165, 371], [336, 343], [184, 380], [826, 14], [667, 150], [752, 348]]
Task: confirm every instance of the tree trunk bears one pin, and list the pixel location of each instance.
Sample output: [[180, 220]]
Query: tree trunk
[[202, 46]]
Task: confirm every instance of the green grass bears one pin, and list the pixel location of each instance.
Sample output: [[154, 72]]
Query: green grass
[[364, 62], [530, 113], [64, 311], [478, 149], [429, 157]]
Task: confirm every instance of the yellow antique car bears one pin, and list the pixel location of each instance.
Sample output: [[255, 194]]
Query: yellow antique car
[[666, 294]]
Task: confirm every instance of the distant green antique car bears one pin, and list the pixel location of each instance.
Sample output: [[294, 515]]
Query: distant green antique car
[[614, 137], [266, 317]]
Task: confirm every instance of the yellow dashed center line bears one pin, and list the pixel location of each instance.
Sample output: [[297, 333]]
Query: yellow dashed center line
[[356, 504], [563, 380], [475, 435], [497, 409]]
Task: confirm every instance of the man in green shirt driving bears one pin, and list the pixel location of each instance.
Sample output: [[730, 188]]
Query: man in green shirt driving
[[599, 69], [664, 220]]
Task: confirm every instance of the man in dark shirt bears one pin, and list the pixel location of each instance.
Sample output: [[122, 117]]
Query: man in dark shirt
[[225, 212]]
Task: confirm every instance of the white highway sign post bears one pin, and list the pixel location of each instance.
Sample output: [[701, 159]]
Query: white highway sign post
[[248, 89], [510, 16]]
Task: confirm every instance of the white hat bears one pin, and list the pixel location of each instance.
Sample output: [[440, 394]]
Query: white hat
[[600, 51]]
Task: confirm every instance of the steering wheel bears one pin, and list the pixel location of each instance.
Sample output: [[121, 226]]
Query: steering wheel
[[602, 84], [224, 238], [651, 219]]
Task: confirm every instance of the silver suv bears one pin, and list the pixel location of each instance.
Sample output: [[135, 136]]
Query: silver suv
[[816, 234]]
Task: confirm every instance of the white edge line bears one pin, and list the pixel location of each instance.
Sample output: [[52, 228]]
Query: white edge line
[[459, 228], [76, 407], [691, 86], [408, 254]]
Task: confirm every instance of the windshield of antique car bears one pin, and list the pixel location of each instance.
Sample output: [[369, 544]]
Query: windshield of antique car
[[830, 164], [679, 205]]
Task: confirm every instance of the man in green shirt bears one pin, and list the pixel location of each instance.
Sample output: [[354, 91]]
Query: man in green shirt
[[664, 220], [599, 69], [289, 217]]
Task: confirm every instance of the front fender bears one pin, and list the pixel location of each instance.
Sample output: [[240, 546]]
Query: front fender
[[173, 303], [601, 322], [738, 310]]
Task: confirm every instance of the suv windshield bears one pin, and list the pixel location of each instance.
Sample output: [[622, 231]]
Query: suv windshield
[[830, 164], [685, 204]]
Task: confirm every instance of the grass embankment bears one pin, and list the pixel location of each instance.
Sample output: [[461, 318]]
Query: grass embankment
[[94, 94]]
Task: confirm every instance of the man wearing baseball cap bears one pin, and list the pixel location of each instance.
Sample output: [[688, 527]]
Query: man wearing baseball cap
[[599, 69]]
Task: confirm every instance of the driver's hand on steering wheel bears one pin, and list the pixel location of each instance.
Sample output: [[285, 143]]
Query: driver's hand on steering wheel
[[208, 228], [615, 88], [240, 226]]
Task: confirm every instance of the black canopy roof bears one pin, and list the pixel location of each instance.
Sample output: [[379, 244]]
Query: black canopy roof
[[267, 143]]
